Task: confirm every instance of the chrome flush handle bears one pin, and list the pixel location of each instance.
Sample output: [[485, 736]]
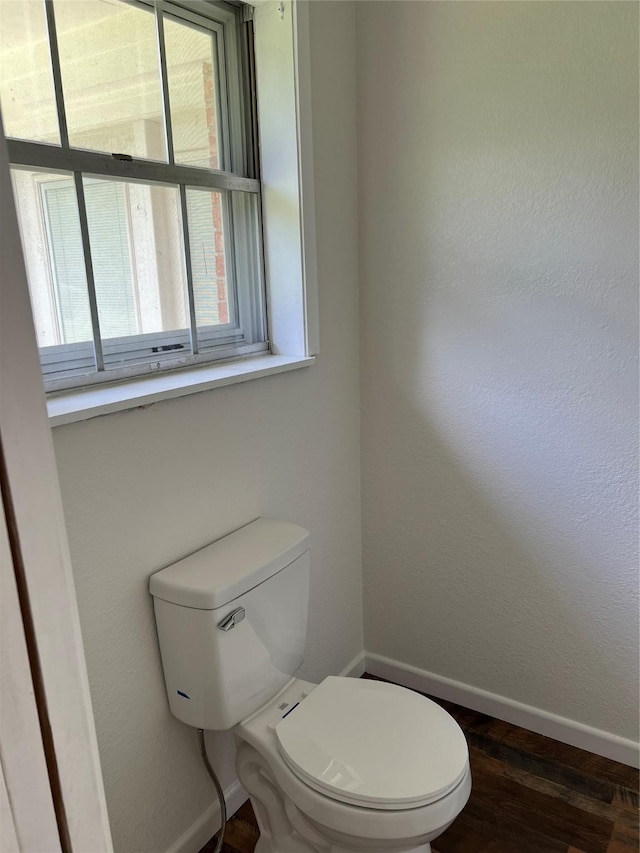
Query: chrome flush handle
[[231, 620]]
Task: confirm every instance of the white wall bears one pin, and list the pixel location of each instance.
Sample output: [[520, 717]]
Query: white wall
[[498, 238], [146, 487]]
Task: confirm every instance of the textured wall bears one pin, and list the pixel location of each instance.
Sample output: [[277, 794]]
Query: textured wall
[[146, 487], [499, 231]]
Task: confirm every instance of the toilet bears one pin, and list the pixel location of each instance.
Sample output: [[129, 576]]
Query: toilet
[[344, 765]]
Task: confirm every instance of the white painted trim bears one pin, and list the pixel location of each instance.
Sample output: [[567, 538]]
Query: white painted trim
[[205, 827], [355, 668], [98, 400], [39, 537], [304, 113], [26, 807], [286, 162], [536, 720], [8, 831]]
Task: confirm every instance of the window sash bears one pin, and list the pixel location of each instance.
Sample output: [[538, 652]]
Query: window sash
[[39, 155], [72, 365], [68, 364]]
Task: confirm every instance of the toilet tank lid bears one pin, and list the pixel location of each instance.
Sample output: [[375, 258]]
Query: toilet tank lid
[[231, 566]]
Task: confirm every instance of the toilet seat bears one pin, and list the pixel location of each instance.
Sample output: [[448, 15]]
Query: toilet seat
[[373, 744]]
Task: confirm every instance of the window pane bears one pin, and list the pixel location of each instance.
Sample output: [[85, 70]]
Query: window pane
[[26, 82], [52, 245], [193, 86], [111, 258], [138, 263], [213, 301], [111, 78]]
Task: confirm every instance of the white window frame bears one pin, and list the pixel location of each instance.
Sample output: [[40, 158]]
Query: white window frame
[[283, 72], [103, 361]]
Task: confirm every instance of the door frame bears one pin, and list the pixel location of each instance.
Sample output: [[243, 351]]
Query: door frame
[[37, 555]]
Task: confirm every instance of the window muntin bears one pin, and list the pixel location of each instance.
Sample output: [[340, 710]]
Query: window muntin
[[162, 260]]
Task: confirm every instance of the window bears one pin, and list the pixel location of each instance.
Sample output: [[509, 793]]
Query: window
[[132, 136]]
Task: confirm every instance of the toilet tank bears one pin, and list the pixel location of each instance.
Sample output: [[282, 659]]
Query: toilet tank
[[255, 584]]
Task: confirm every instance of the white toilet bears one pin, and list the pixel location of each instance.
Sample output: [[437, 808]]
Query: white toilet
[[345, 765]]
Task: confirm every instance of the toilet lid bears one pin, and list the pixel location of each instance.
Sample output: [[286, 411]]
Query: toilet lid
[[373, 744]]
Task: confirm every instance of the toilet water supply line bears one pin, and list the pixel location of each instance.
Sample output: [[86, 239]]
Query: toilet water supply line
[[218, 787]]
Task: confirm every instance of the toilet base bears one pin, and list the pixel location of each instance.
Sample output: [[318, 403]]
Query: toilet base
[[283, 827]]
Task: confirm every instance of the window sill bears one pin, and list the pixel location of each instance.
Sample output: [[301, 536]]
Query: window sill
[[81, 405]]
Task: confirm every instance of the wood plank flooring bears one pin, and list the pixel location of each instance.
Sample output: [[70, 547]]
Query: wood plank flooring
[[530, 794]]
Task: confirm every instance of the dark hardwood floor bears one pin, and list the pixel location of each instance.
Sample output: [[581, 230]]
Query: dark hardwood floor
[[530, 794]]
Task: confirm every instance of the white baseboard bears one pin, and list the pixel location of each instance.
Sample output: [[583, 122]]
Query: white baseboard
[[205, 827], [544, 723], [355, 668]]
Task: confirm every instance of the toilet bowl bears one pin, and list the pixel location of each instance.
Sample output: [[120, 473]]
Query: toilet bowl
[[395, 796], [345, 765]]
